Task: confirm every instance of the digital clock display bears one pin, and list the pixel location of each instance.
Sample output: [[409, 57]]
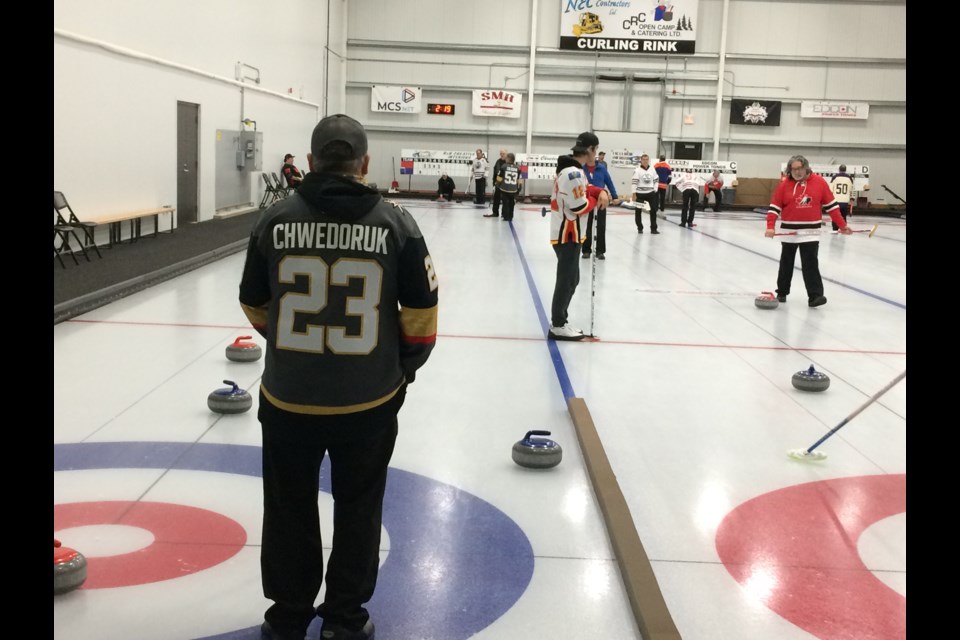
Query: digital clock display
[[441, 109]]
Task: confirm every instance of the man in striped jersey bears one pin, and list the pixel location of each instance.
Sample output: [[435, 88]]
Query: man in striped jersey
[[573, 197], [800, 200]]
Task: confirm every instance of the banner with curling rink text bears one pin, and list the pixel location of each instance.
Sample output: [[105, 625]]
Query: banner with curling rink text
[[860, 173], [629, 26]]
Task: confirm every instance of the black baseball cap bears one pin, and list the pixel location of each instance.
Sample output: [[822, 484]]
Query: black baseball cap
[[339, 128], [585, 140], [288, 156]]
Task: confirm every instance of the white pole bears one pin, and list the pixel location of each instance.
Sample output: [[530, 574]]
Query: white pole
[[723, 57], [533, 66]]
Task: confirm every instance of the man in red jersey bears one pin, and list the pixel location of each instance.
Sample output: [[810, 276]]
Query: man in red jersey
[[800, 201]]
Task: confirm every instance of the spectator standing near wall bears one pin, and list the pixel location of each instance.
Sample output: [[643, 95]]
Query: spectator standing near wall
[[663, 174], [800, 201], [842, 187], [644, 183], [479, 169]]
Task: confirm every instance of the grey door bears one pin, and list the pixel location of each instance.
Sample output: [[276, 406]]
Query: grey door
[[188, 145]]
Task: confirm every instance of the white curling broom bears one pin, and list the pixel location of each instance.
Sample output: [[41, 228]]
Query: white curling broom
[[872, 230], [810, 454]]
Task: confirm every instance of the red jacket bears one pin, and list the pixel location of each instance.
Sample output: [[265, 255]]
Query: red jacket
[[801, 205]]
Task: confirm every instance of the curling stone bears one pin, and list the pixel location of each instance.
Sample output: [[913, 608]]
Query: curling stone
[[69, 568], [811, 380], [230, 400], [241, 351], [537, 453], [766, 300]]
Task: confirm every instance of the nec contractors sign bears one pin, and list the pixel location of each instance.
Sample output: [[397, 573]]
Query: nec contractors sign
[[629, 26]]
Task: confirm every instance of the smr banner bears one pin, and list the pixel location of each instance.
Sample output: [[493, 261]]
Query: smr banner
[[629, 26], [496, 102], [758, 113], [389, 99]]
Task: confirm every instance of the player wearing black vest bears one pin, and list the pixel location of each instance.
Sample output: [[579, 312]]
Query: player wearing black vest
[[508, 185], [497, 175], [341, 285]]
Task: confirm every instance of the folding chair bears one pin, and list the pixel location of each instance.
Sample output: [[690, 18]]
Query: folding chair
[[59, 204], [61, 240], [270, 193], [282, 188]]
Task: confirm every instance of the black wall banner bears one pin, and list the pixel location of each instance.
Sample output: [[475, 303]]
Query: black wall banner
[[760, 113]]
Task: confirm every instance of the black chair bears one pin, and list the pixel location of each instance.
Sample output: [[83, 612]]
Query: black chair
[[59, 204], [270, 193], [281, 188], [62, 233]]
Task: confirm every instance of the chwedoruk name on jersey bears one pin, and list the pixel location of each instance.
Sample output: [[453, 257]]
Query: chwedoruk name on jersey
[[330, 235]]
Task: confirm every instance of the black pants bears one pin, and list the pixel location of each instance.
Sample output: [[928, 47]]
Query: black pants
[[291, 557], [844, 211], [481, 197], [448, 194], [568, 277], [809, 266], [509, 202], [651, 199], [497, 198], [689, 207], [601, 232], [706, 198], [662, 198]]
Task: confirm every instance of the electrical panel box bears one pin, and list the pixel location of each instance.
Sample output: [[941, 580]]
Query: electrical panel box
[[249, 155]]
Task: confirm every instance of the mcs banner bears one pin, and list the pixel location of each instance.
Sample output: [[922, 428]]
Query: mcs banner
[[390, 99]]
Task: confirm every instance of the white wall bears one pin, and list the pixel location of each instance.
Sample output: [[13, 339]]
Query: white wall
[[115, 118], [810, 50]]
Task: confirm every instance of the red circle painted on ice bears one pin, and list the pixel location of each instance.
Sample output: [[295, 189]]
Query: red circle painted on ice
[[801, 542], [186, 540]]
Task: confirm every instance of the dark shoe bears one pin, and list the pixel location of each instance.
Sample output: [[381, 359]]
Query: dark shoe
[[639, 230], [818, 301], [654, 232], [781, 298], [269, 633], [337, 632], [600, 256], [586, 255], [683, 223]]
